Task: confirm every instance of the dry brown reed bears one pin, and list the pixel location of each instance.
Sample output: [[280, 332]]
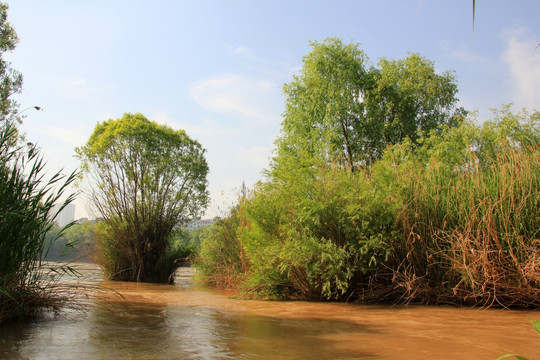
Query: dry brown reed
[[472, 237]]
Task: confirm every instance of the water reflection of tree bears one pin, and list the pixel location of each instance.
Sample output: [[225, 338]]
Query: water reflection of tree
[[282, 338]]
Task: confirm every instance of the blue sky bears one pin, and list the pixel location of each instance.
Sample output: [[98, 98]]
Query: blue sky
[[216, 68]]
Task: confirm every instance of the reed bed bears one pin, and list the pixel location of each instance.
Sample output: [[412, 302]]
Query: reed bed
[[477, 234], [221, 261]]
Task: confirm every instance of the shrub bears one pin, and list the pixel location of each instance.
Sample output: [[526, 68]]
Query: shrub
[[314, 234], [221, 260]]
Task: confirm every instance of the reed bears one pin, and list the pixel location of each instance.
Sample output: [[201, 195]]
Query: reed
[[471, 232], [26, 203], [221, 260]]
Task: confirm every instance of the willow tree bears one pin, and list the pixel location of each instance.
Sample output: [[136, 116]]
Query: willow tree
[[323, 110], [408, 98], [145, 180], [341, 109]]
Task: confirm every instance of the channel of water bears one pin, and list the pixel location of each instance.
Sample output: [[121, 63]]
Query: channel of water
[[186, 321]]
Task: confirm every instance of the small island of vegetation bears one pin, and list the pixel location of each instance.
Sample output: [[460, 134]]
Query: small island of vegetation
[[382, 190]]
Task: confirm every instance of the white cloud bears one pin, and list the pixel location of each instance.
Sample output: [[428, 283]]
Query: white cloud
[[79, 82], [467, 57], [241, 50], [73, 137], [524, 66], [238, 95], [257, 157]]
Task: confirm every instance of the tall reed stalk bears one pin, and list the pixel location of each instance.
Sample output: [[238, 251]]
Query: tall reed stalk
[[26, 215], [222, 261], [474, 234]]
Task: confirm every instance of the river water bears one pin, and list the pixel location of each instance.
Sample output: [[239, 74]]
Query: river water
[[184, 321]]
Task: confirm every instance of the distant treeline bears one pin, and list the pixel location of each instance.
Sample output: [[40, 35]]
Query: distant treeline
[[76, 243], [79, 242]]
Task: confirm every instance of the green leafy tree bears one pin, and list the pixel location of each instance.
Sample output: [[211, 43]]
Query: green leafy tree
[[408, 98], [340, 109], [76, 243], [10, 79], [144, 179], [324, 114]]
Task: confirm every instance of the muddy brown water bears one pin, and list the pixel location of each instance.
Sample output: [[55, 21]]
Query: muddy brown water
[[185, 321]]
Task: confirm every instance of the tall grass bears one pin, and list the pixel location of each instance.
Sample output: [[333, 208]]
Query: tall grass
[[475, 234], [26, 202], [470, 219], [222, 261], [119, 255]]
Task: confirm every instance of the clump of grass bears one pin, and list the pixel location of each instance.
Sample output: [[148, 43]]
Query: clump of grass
[[118, 254], [471, 221], [26, 203]]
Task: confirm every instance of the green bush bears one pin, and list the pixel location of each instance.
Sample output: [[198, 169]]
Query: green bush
[[313, 234], [452, 218], [221, 260]]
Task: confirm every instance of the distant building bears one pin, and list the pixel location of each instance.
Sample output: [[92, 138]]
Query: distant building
[[195, 224], [65, 216]]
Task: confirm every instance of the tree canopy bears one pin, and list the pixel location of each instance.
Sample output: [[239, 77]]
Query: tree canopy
[[10, 79], [144, 179], [342, 109]]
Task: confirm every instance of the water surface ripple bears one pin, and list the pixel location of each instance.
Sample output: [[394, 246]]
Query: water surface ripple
[[183, 321]]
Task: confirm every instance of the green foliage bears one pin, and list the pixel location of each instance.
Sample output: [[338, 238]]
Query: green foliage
[[26, 203], [145, 180], [314, 235], [10, 79], [113, 253], [315, 228], [512, 355], [452, 217], [191, 240], [323, 117], [536, 325], [76, 243], [408, 98], [221, 259], [341, 110]]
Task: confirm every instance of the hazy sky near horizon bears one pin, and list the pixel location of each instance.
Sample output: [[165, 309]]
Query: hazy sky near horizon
[[217, 68]]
